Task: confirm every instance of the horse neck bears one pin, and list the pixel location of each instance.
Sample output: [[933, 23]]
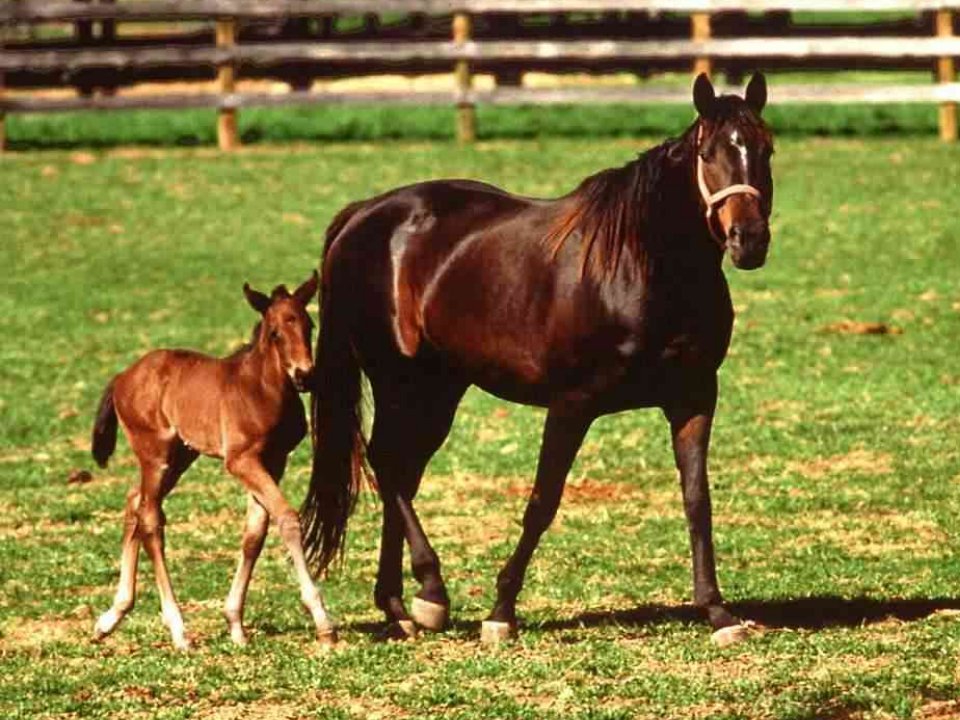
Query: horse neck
[[263, 360]]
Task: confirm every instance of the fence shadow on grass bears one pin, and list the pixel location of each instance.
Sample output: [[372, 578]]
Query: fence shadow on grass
[[811, 613]]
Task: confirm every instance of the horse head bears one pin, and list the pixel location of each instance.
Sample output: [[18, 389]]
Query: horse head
[[734, 147], [285, 327]]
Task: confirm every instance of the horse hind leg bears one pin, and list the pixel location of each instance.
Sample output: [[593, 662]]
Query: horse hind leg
[[407, 431], [126, 593]]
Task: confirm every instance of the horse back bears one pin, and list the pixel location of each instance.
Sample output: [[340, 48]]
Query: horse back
[[461, 270]]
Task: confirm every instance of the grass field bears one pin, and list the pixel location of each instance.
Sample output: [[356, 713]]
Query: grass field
[[835, 462], [191, 128]]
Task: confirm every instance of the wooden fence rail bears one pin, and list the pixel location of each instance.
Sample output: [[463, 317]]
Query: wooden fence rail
[[108, 62]]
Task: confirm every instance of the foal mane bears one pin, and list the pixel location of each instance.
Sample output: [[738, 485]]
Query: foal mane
[[619, 209]]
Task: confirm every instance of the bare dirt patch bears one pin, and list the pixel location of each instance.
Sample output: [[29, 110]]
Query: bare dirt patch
[[857, 327], [940, 709]]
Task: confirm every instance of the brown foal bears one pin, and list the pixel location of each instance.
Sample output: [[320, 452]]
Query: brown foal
[[175, 405]]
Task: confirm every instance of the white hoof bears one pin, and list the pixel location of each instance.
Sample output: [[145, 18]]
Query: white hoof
[[429, 615], [238, 636], [730, 635], [493, 632], [105, 625]]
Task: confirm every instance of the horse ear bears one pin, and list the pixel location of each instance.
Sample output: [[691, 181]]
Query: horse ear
[[756, 94], [704, 97], [258, 301], [306, 291]]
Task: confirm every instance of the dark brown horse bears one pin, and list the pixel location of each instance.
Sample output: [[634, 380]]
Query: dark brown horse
[[607, 299], [245, 409]]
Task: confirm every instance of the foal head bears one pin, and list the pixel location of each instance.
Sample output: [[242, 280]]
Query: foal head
[[734, 148], [285, 327]]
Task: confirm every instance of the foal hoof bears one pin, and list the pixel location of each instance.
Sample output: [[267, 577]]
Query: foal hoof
[[429, 615], [731, 635], [494, 632], [327, 636], [400, 630]]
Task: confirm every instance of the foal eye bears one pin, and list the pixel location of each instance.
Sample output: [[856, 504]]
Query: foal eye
[[274, 334]]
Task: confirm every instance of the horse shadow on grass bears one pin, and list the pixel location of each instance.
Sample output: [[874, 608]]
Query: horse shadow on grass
[[805, 613], [814, 612]]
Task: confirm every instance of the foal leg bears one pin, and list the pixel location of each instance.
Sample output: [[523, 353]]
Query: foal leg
[[247, 467], [690, 423], [127, 587], [254, 534], [562, 436], [157, 482]]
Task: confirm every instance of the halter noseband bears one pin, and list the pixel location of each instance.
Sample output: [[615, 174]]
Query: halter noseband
[[713, 199]]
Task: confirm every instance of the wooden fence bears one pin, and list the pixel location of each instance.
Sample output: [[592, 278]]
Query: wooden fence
[[298, 40]]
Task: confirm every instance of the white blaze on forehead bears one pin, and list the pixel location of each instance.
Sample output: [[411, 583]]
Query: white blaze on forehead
[[738, 143]]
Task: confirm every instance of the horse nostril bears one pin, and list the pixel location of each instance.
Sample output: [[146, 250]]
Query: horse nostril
[[735, 233]]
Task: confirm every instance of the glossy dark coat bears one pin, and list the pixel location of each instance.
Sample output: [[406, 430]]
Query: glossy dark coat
[[608, 299]]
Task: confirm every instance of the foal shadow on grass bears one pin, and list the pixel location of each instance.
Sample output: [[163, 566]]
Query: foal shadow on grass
[[805, 613]]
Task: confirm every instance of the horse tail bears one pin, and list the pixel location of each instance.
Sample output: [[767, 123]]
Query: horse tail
[[339, 446], [104, 440]]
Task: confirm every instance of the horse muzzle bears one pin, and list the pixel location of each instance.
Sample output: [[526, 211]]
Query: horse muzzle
[[748, 244], [302, 379]]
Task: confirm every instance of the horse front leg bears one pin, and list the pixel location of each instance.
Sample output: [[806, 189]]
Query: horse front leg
[[690, 424], [562, 436]]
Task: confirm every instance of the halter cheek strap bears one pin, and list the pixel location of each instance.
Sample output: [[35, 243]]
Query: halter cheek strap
[[711, 200]]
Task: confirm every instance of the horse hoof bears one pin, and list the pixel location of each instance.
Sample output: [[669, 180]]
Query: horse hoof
[[429, 615], [494, 632], [401, 630], [327, 636], [730, 635]]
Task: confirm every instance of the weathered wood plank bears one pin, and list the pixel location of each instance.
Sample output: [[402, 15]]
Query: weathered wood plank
[[798, 48], [933, 93], [163, 10]]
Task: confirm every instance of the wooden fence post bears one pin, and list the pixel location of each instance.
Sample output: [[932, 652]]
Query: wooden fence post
[[466, 112], [946, 73], [3, 115], [227, 137], [699, 31]]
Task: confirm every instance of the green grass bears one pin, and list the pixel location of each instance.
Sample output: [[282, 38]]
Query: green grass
[[166, 128], [835, 467]]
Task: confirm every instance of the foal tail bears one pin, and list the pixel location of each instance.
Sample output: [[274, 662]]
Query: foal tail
[[339, 446], [104, 440]]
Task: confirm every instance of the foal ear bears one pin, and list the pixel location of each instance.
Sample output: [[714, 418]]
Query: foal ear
[[258, 301], [704, 97], [756, 94], [306, 291]]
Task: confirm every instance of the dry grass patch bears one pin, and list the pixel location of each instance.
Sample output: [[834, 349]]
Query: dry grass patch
[[261, 709], [24, 634], [859, 461]]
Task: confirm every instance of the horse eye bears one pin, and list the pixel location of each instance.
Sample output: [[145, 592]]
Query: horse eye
[[274, 334], [704, 154]]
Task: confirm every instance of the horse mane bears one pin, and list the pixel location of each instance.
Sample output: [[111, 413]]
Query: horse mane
[[618, 209]]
